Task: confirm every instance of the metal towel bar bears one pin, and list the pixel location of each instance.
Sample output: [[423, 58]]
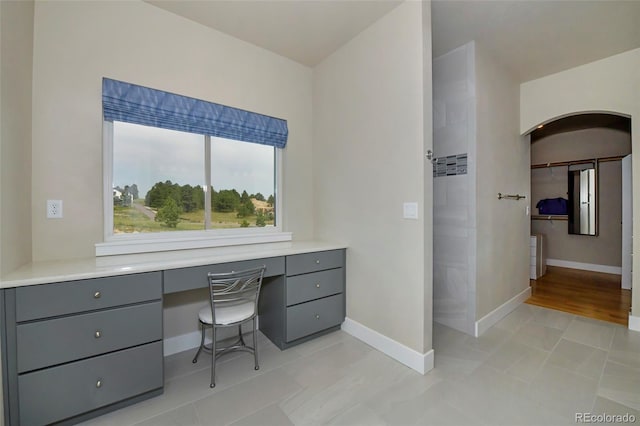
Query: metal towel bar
[[516, 197]]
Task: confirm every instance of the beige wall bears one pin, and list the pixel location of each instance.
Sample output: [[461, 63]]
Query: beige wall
[[16, 56], [610, 85], [502, 166], [77, 43], [606, 248], [369, 103], [16, 50], [580, 145], [427, 129]]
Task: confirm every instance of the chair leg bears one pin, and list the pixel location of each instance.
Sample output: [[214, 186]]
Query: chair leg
[[255, 343], [202, 326], [241, 336], [213, 356]]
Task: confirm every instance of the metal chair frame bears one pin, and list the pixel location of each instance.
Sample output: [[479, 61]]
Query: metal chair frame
[[227, 289]]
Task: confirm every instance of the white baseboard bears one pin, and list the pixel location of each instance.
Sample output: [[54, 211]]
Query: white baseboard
[[634, 323], [484, 323], [422, 363], [183, 342], [585, 266]]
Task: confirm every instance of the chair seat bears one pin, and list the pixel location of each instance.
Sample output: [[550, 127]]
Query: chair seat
[[227, 314]]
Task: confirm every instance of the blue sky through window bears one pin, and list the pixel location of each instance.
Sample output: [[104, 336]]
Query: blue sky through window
[[146, 155]]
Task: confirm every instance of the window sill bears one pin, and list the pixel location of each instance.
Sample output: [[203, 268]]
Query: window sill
[[146, 244]]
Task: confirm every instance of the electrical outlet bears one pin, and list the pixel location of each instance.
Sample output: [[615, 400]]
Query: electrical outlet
[[54, 209]]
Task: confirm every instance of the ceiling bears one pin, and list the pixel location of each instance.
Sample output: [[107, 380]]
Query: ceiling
[[306, 31], [533, 38]]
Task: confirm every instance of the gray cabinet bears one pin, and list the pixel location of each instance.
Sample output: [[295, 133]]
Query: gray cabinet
[[75, 348], [307, 287], [310, 262], [193, 277], [315, 316], [67, 390], [55, 341], [49, 300], [308, 301]]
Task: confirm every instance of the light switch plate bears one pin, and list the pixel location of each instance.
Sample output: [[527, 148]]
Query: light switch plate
[[410, 210]]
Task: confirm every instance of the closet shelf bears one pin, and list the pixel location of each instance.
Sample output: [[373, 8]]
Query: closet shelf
[[570, 163], [549, 217]]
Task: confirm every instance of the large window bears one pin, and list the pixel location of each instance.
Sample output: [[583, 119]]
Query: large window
[[166, 188], [161, 178]]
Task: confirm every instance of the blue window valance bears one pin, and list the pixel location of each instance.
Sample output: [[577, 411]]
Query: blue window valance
[[150, 107]]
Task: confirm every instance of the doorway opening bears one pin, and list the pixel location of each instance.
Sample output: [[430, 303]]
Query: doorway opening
[[581, 220]]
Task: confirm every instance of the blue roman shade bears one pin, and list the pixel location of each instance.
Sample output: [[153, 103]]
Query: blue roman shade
[[150, 107]]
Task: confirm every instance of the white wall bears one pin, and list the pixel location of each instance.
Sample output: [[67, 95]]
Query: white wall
[[502, 166], [580, 144], [454, 199], [16, 50], [427, 130], [77, 43], [369, 106], [610, 85], [16, 55]]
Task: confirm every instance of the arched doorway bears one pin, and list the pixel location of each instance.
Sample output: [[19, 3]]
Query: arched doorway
[[577, 166]]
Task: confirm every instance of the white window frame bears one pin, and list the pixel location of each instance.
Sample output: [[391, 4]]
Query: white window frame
[[179, 240]]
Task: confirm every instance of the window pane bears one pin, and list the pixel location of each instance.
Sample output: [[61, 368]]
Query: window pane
[[158, 179], [243, 180]]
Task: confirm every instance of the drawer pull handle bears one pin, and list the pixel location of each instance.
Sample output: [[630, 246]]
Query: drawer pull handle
[[318, 285], [98, 334], [318, 262], [317, 316], [99, 383], [97, 295]]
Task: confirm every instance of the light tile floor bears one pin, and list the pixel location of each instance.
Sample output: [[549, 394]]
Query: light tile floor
[[535, 367]]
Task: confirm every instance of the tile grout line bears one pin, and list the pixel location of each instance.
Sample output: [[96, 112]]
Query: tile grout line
[[604, 365]]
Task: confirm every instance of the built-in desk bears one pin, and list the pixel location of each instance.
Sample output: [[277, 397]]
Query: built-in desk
[[84, 337]]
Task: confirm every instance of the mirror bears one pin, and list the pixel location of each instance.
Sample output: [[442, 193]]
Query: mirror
[[583, 199]]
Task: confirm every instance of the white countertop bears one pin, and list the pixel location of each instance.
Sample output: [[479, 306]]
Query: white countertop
[[95, 267]]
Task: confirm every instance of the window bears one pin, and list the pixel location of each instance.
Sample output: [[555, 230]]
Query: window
[[156, 173], [166, 188]]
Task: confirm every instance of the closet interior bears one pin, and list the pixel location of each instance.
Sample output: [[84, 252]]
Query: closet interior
[[581, 217]]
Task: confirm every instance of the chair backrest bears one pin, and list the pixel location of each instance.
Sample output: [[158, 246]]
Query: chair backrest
[[231, 288]]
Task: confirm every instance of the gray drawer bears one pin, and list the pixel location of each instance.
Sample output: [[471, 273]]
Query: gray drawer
[[60, 340], [48, 300], [61, 392], [311, 317], [303, 288], [196, 276], [311, 262]]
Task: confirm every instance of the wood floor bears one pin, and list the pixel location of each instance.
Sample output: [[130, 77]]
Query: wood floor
[[589, 294]]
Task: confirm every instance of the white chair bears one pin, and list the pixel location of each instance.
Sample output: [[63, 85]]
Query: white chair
[[234, 301]]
